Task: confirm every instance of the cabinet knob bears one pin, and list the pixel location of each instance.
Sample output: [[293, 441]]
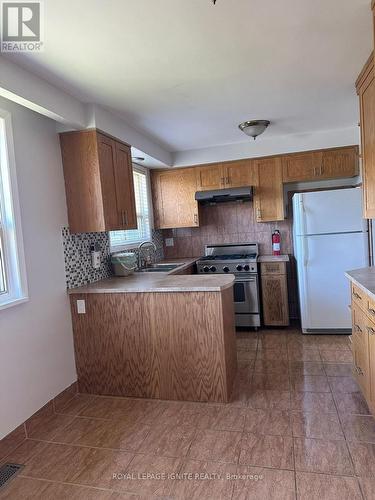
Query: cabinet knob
[[357, 328], [371, 311], [370, 330]]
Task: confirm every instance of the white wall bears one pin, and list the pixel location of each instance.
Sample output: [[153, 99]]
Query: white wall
[[268, 145], [36, 343]]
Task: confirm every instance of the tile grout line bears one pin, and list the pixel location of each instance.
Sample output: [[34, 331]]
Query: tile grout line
[[348, 448], [291, 424]]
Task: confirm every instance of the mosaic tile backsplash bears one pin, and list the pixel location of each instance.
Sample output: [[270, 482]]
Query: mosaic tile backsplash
[[77, 256]]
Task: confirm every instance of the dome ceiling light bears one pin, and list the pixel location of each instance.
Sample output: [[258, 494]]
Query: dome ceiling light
[[253, 128]]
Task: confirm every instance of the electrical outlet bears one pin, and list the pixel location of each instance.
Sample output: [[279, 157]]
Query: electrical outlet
[[81, 307], [169, 242]]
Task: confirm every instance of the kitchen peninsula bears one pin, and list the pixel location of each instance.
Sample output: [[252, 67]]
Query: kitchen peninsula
[[156, 335]]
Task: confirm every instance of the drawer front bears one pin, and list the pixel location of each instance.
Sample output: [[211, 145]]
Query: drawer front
[[273, 268], [359, 297]]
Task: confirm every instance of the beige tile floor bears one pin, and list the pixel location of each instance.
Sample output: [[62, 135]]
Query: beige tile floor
[[297, 427]]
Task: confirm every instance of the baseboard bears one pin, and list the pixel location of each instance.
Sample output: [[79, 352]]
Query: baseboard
[[20, 434]]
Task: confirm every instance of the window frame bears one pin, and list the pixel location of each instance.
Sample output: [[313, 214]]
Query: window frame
[[14, 256], [134, 244]]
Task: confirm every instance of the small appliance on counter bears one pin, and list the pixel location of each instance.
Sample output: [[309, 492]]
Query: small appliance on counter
[[124, 263]]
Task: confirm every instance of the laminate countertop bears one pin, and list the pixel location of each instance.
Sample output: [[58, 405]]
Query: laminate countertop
[[273, 258], [160, 282], [364, 278]]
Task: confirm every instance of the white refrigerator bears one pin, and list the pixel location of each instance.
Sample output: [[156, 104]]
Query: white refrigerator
[[330, 237]]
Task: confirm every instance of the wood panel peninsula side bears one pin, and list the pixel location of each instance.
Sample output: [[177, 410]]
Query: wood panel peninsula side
[[165, 337]]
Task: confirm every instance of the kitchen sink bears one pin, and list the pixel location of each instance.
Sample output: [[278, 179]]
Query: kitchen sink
[[159, 268]]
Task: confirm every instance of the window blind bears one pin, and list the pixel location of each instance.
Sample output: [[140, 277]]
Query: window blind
[[143, 232]]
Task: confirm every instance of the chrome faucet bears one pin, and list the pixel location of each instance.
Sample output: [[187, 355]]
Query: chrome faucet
[[149, 243]]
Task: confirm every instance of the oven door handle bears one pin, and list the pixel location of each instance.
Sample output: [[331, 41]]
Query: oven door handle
[[245, 280]]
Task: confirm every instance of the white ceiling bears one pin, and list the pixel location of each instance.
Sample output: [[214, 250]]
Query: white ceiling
[[186, 73]]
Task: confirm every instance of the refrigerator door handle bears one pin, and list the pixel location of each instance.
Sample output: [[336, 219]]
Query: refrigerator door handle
[[304, 239], [305, 251]]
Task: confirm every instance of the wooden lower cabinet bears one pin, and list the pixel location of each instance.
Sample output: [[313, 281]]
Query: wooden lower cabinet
[[173, 345], [274, 294], [360, 342]]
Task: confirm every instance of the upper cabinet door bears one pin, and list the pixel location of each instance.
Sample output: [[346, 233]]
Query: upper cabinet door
[[107, 167], [240, 173], [367, 100], [165, 204], [365, 86], [341, 162], [174, 198], [211, 177], [302, 167], [269, 199], [125, 187], [187, 205]]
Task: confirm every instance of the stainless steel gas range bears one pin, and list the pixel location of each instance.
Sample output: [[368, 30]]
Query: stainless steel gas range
[[240, 260]]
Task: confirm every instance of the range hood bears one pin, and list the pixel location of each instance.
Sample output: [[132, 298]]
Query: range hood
[[224, 195]]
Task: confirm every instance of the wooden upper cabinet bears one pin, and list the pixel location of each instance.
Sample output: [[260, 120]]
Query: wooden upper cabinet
[[174, 198], [187, 205], [302, 167], [340, 162], [125, 186], [318, 165], [211, 177], [99, 182], [269, 199], [366, 92], [240, 173]]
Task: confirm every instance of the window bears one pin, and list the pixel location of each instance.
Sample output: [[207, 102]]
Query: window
[[126, 239], [13, 286]]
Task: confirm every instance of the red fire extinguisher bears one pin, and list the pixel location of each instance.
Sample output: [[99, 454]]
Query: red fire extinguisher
[[276, 242]]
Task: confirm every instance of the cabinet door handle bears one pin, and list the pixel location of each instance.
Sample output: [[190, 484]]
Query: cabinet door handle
[[371, 311], [259, 213], [124, 218], [357, 328], [228, 181], [370, 330], [223, 181], [357, 296], [195, 218]]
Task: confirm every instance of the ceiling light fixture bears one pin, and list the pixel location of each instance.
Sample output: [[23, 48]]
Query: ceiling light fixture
[[253, 128]]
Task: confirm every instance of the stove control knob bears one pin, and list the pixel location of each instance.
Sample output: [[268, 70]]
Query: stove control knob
[[213, 269], [246, 268], [239, 267], [206, 269], [226, 269]]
